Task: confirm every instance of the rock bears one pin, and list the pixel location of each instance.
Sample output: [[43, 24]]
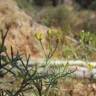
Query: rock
[[21, 29]]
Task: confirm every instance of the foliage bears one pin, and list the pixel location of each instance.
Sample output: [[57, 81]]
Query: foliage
[[61, 16], [87, 45], [39, 2], [23, 4], [88, 38], [93, 5], [27, 6], [71, 21], [82, 48], [27, 76], [84, 3]]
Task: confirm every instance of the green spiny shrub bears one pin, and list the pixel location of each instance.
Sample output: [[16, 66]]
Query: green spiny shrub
[[27, 77]]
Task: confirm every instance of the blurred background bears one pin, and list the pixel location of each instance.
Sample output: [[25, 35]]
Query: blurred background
[[75, 19]]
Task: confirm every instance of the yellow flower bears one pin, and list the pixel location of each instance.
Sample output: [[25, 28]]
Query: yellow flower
[[39, 35], [90, 67], [54, 30]]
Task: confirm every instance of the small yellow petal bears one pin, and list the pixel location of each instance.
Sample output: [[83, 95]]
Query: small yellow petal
[[39, 35], [90, 67]]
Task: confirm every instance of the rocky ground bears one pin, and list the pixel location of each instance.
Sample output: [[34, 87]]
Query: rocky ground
[[75, 87], [66, 87]]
